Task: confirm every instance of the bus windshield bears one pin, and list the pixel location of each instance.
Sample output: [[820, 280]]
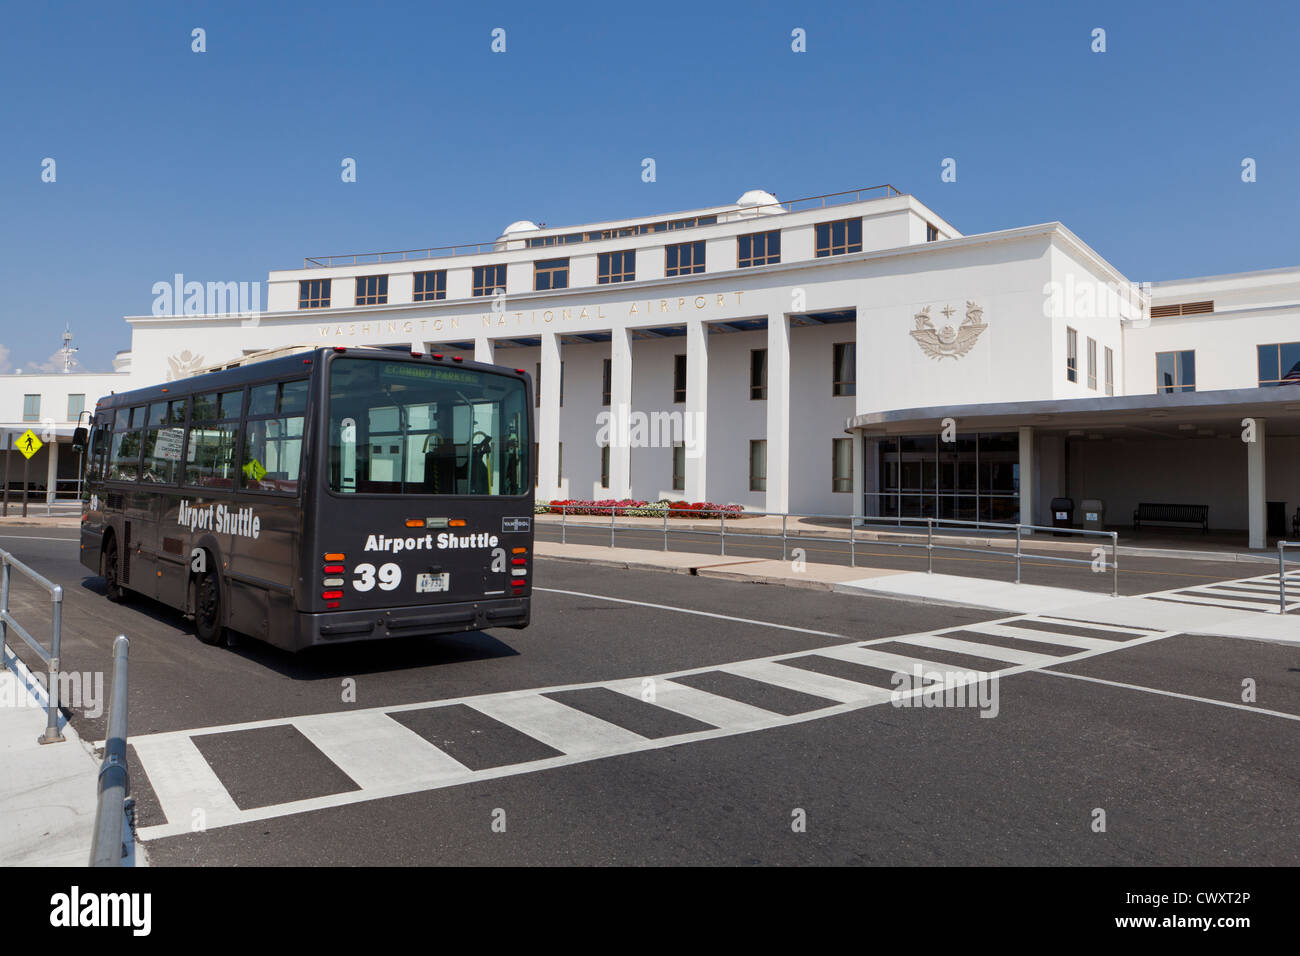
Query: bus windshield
[[413, 428]]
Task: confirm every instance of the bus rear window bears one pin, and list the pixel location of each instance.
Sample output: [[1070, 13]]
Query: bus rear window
[[412, 428]]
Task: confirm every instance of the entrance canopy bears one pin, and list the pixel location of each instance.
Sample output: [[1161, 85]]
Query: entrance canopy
[[1234, 452]]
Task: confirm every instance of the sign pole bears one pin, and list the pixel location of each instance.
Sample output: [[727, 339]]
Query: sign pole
[[27, 467], [9, 441]]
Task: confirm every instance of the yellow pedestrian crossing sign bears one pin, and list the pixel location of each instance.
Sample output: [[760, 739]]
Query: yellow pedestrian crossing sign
[[29, 444]]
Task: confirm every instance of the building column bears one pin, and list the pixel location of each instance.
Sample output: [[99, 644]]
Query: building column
[[52, 470], [483, 350], [1028, 475], [548, 420], [620, 408], [1257, 517], [778, 413], [695, 426]]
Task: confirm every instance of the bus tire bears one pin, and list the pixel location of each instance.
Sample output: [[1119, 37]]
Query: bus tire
[[110, 562], [208, 609]]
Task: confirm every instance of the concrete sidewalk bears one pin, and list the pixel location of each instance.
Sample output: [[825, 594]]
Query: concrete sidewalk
[[47, 791], [1156, 610], [1149, 543], [821, 577]]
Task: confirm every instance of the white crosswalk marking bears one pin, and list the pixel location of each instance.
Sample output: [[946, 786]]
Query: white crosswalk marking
[[1043, 637], [721, 712], [556, 725], [183, 780], [376, 751], [962, 646], [807, 682], [1244, 594], [384, 758]]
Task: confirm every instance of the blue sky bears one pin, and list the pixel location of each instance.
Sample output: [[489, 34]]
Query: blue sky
[[224, 165]]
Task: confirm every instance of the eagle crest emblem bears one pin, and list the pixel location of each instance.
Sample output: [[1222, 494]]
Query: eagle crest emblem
[[949, 341]]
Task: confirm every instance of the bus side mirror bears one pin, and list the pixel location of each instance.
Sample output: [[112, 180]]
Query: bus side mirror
[[79, 438]]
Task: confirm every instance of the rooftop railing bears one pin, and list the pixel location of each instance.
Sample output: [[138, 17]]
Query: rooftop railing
[[740, 213]]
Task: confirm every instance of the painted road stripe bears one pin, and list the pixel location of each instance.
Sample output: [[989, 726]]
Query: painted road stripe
[[893, 662], [721, 712], [1043, 637], [376, 751], [807, 682], [183, 781], [958, 646], [1233, 705], [1094, 625], [557, 725], [686, 610], [1209, 601]]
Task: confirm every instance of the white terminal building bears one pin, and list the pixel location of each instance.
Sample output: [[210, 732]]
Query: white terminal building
[[849, 353]]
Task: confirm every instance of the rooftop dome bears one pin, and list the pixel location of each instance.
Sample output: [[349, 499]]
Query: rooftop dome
[[520, 225], [756, 197]]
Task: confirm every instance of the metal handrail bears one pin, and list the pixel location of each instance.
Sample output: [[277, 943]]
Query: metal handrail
[[854, 520], [112, 812], [1281, 572], [50, 657], [504, 245]]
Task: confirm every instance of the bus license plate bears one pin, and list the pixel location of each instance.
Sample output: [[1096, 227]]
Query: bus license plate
[[426, 583]]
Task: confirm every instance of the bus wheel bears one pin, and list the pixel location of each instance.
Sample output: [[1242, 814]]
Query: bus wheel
[[207, 609], [113, 589]]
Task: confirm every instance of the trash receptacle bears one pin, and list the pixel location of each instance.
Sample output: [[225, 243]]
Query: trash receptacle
[[1062, 513], [1094, 514]]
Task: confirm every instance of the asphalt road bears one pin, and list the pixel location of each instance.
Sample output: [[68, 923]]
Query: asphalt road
[[1138, 574], [1180, 779]]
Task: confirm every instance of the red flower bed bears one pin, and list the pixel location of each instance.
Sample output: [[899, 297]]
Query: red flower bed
[[625, 506]]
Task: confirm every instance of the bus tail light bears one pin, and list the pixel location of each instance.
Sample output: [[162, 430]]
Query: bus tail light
[[518, 561], [456, 523], [415, 522], [518, 572], [331, 604], [331, 595], [333, 557], [333, 569], [332, 583], [518, 550]]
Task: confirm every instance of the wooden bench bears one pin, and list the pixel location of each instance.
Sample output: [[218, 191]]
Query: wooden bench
[[1174, 514]]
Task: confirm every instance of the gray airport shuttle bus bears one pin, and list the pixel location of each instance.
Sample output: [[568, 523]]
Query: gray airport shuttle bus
[[326, 496]]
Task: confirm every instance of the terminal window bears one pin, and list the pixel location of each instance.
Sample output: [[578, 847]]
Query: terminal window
[[679, 466], [1071, 355], [758, 465], [757, 374], [372, 290], [845, 373], [1176, 371], [551, 274], [488, 279], [684, 258], [616, 267], [430, 286], [314, 294], [31, 408], [839, 237], [1279, 364], [841, 464], [758, 249]]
